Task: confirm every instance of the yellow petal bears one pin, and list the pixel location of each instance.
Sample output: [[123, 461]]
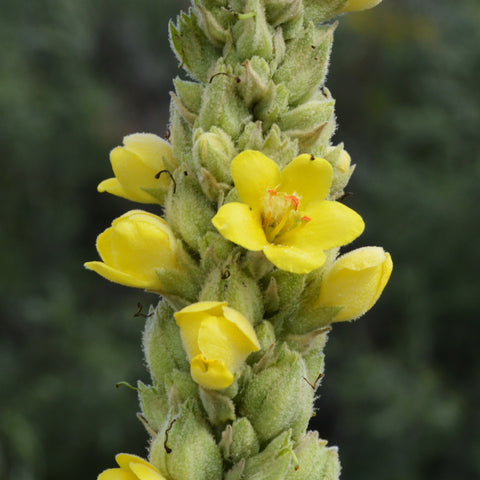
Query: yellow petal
[[294, 259], [353, 5], [112, 186], [309, 179], [246, 335], [121, 278], [133, 174], [331, 224], [213, 308], [241, 225], [210, 374], [145, 471], [356, 281], [253, 174], [125, 459], [153, 150], [189, 330], [117, 474]]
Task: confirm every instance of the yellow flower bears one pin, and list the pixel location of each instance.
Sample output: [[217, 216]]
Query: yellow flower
[[131, 468], [355, 282], [135, 166], [218, 339], [284, 213], [133, 247], [353, 5]]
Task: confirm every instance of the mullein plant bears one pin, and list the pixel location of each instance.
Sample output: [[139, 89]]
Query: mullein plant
[[243, 247]]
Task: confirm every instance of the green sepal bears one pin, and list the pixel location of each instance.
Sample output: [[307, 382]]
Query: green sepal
[[340, 177], [190, 94], [316, 461], [309, 54], [193, 49], [188, 211], [266, 337], [280, 147], [251, 137], [184, 448], [162, 344], [219, 408], [279, 49], [278, 397], [239, 440], [180, 135], [221, 105], [319, 12], [154, 405], [273, 462], [187, 115], [184, 281], [252, 35], [254, 77], [311, 319], [180, 387]]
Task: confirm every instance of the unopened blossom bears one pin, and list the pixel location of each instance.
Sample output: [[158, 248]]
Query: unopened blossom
[[218, 339], [284, 213], [131, 467], [136, 166], [355, 282], [133, 247]]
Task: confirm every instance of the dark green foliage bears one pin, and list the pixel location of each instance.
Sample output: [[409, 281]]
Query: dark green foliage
[[400, 396]]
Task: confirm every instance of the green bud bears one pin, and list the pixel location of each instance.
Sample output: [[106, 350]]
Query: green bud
[[307, 121], [239, 441], [281, 11], [342, 169], [280, 147], [254, 77], [229, 283], [274, 104], [214, 249], [211, 24], [214, 151], [252, 35], [154, 405], [162, 344], [319, 12], [315, 460], [187, 115], [278, 397], [266, 337], [193, 49], [273, 462], [188, 211], [185, 449], [306, 61], [220, 408], [251, 137], [221, 105]]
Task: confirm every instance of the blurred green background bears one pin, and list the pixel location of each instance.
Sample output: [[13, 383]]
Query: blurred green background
[[402, 389]]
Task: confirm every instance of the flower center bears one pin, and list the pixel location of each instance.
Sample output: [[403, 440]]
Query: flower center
[[280, 213]]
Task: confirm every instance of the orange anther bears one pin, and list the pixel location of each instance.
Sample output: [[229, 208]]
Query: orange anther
[[272, 192], [306, 219], [293, 199]]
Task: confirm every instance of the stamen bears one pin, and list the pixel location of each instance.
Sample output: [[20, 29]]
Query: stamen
[[294, 200], [306, 219]]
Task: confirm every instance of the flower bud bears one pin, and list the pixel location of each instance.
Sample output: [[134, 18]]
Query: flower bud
[[239, 441], [214, 151], [315, 460], [218, 339], [131, 468], [278, 397], [355, 282], [136, 165], [133, 247], [185, 449], [354, 5]]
